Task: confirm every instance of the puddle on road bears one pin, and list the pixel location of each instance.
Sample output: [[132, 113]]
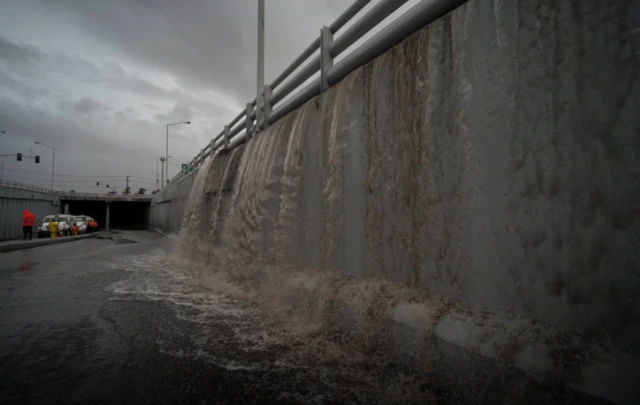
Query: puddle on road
[[237, 334]]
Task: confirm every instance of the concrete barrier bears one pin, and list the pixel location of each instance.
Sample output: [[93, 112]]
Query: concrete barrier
[[28, 244], [14, 200], [490, 160]]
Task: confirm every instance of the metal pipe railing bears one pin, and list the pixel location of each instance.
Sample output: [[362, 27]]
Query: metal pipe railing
[[238, 141], [348, 14], [237, 119], [372, 18], [306, 94], [413, 20], [24, 186], [236, 130], [417, 17], [314, 46], [220, 135], [294, 82]]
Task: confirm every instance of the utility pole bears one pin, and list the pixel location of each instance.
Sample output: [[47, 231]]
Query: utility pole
[[260, 81], [53, 162], [157, 187], [127, 188], [162, 159]]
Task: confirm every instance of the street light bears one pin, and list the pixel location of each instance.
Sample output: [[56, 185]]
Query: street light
[[166, 154], [163, 161], [53, 162]]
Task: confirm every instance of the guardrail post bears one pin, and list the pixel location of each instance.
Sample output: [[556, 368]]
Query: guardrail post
[[226, 137], [267, 107], [212, 148], [260, 103], [248, 121], [326, 60]]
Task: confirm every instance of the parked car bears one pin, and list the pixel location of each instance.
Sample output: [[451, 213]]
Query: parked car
[[64, 225], [82, 221]]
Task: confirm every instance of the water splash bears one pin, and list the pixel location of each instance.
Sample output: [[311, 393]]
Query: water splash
[[232, 329]]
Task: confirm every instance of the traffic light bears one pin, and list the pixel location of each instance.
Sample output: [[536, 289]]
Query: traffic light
[[37, 159], [19, 156]]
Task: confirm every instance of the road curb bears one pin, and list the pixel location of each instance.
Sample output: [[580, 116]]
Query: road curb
[[21, 245], [484, 356]]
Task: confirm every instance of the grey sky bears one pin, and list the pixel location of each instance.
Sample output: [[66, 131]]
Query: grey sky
[[99, 79]]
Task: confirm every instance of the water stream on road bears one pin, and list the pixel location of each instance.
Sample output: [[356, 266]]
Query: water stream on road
[[234, 330]]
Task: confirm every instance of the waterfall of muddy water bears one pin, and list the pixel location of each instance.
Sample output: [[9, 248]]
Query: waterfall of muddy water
[[242, 260], [360, 203], [191, 240]]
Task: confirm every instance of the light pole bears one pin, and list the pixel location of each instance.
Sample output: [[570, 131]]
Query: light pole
[[260, 78], [53, 162], [2, 164], [157, 163], [163, 162], [166, 154]]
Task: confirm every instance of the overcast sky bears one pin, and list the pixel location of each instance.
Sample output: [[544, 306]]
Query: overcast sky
[[99, 79]]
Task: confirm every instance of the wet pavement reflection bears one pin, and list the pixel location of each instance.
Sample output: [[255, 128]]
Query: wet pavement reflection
[[97, 321]]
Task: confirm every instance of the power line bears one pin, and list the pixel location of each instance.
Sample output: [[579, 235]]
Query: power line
[[56, 182], [66, 175]]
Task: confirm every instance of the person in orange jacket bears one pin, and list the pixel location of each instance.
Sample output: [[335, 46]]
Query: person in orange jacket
[[28, 220], [74, 229]]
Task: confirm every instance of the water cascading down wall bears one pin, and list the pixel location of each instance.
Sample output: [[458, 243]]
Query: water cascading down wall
[[490, 159]]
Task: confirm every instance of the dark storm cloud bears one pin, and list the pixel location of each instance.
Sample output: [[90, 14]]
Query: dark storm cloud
[[99, 79], [29, 59], [86, 143], [29, 92], [19, 53], [88, 106], [178, 113], [204, 43]]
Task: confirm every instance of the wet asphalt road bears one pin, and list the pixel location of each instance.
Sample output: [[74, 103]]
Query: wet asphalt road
[[100, 322]]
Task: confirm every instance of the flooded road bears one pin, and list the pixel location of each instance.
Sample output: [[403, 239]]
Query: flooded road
[[122, 321]]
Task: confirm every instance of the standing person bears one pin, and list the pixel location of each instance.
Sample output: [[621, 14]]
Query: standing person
[[28, 220], [74, 229], [53, 228]]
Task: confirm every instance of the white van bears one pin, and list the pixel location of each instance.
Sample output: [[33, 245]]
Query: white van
[[64, 225], [82, 221]]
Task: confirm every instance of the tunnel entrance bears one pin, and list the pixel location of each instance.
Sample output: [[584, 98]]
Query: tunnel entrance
[[130, 215], [95, 209]]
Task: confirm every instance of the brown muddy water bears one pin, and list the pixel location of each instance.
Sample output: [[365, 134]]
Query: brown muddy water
[[246, 329]]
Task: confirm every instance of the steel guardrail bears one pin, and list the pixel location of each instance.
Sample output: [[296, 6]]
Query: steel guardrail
[[288, 92]]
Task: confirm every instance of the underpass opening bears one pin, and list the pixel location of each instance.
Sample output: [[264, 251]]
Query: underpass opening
[[95, 209], [131, 215]]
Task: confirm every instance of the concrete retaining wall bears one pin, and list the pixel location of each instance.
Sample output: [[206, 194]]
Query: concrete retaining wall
[[167, 207], [491, 159], [13, 201]]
